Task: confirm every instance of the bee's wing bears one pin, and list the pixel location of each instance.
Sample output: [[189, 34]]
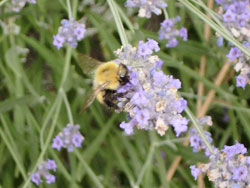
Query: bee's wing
[[92, 95], [87, 64]]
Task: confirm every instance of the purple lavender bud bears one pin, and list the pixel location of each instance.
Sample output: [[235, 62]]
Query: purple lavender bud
[[43, 172], [234, 53], [147, 6], [77, 140], [180, 105], [142, 117], [58, 41], [70, 32], [195, 171], [220, 41], [51, 165], [231, 151], [239, 173], [183, 33], [50, 178], [57, 143], [69, 138], [128, 127], [17, 5], [229, 16], [169, 32], [180, 125], [241, 81], [35, 178]]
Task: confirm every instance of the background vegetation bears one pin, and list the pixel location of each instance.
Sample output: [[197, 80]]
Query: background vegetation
[[34, 95]]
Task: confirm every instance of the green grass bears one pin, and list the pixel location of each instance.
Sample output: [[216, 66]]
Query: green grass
[[39, 97]]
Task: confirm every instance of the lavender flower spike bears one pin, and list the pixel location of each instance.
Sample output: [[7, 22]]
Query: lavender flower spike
[[228, 167], [147, 7], [42, 172], [169, 32], [69, 138], [150, 98], [70, 33]]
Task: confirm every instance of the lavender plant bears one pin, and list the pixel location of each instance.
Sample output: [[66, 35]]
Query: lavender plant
[[150, 98], [37, 79], [43, 172], [147, 7], [169, 32], [235, 16]]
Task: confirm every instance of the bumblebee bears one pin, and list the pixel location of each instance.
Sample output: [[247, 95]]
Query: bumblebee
[[108, 77]]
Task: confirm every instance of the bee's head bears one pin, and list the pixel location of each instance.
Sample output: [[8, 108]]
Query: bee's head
[[123, 70]]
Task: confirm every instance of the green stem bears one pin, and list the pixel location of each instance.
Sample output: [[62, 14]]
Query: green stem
[[165, 13], [66, 67], [145, 166], [69, 9], [89, 170], [2, 2], [66, 102], [48, 139], [12, 150], [200, 132], [118, 22]]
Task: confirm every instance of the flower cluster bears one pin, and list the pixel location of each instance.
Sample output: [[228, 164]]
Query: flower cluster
[[169, 32], [235, 15], [227, 167], [241, 64], [195, 140], [69, 138], [17, 5], [147, 6], [43, 172], [70, 32], [150, 98]]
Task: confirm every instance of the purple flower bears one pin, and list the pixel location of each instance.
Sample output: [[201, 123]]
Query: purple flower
[[128, 127], [239, 173], [180, 105], [69, 138], [180, 125], [220, 41], [195, 171], [183, 33], [241, 81], [35, 178], [58, 41], [142, 117], [147, 6], [234, 53], [51, 165], [50, 178], [43, 171], [151, 98], [169, 32], [229, 16], [57, 143], [231, 151], [77, 140], [70, 32]]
